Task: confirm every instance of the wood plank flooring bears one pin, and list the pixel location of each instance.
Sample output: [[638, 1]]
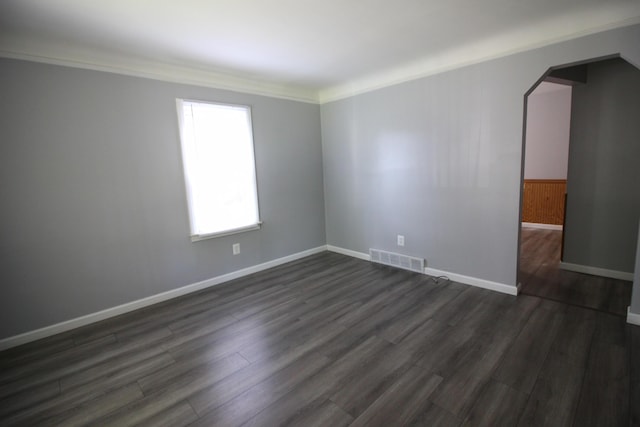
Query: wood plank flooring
[[540, 276], [333, 341]]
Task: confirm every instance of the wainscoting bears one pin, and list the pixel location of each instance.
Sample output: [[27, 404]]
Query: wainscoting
[[543, 201]]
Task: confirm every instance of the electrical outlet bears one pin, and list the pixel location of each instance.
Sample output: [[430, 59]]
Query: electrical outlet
[[400, 240], [236, 248]]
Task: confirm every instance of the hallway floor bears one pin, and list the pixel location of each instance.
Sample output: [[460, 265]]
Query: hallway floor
[[541, 276]]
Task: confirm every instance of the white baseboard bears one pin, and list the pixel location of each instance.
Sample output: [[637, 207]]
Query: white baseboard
[[144, 302], [467, 280], [349, 252], [633, 318], [474, 281], [596, 271], [541, 226]]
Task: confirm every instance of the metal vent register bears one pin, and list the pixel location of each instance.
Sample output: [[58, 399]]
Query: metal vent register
[[397, 260]]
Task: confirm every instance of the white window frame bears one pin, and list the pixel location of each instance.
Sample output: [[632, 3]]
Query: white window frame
[[192, 164]]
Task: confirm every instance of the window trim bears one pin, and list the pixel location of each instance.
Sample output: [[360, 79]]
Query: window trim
[[250, 227], [198, 237]]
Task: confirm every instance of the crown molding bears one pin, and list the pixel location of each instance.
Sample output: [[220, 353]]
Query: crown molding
[[474, 53], [163, 72]]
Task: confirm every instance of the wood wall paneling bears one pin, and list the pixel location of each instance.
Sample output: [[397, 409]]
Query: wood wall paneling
[[544, 200]]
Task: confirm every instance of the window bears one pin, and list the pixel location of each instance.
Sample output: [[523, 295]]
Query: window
[[219, 168]]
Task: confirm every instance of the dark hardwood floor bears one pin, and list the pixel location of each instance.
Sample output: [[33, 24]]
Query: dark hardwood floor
[[333, 341], [540, 275]]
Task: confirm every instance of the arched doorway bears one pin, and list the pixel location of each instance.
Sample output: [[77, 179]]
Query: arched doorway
[[590, 262]]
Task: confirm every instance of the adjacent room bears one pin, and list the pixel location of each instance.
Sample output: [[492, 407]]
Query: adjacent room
[[320, 213], [578, 240]]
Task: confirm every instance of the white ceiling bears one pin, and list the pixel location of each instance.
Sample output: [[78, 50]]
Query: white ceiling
[[313, 50]]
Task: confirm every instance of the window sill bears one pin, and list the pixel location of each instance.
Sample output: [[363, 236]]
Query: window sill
[[198, 237]]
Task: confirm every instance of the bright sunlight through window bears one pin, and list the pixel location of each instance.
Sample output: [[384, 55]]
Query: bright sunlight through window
[[219, 168]]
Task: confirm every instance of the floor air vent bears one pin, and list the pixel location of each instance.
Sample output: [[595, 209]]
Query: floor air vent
[[397, 260]]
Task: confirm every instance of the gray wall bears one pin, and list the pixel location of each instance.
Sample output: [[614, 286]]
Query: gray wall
[[93, 203], [547, 144], [94, 212], [635, 297], [603, 188], [439, 159]]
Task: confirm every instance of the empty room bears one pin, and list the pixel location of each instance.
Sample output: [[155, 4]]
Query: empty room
[[327, 213]]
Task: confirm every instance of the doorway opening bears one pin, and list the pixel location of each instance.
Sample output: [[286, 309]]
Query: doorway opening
[[579, 200]]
